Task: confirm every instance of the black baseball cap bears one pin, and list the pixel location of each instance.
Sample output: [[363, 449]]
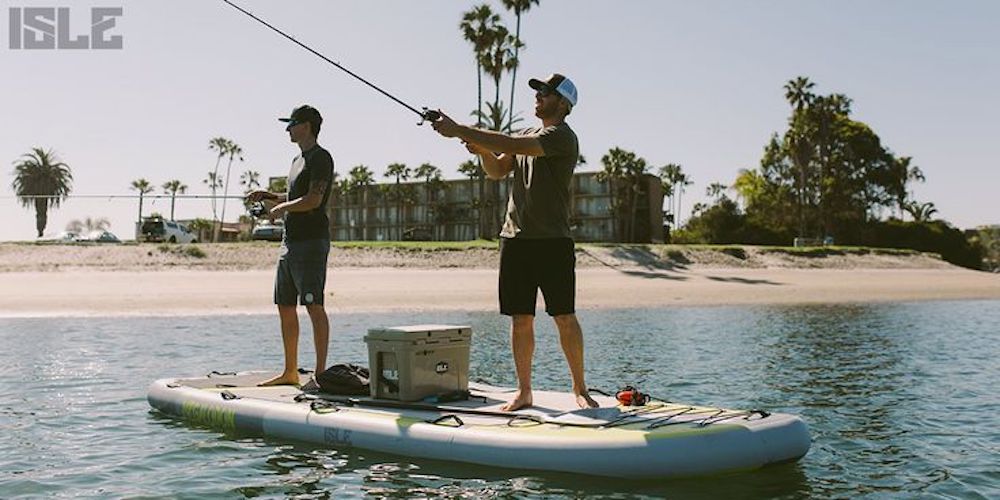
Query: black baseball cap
[[302, 114]]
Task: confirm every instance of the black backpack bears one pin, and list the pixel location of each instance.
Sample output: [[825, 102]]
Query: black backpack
[[345, 380]]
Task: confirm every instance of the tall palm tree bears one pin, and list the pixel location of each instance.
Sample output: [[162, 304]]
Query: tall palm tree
[[221, 146], [519, 7], [498, 59], [903, 175], [477, 28], [400, 172], [214, 183], [143, 187], [234, 151], [362, 177], [613, 173], [42, 181], [172, 188]]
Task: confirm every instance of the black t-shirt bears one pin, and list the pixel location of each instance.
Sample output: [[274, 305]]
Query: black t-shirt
[[313, 165], [539, 202]]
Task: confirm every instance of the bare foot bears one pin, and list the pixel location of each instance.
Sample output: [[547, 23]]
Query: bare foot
[[283, 379], [522, 400], [585, 401]]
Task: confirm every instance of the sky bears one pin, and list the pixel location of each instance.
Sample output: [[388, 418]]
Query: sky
[[693, 83]]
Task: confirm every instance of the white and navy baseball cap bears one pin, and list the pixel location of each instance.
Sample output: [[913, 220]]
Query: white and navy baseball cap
[[558, 83]]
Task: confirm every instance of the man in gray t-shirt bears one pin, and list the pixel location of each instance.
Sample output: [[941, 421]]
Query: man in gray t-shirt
[[536, 245]]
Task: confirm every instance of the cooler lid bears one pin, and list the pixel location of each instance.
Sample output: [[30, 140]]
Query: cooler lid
[[420, 332]]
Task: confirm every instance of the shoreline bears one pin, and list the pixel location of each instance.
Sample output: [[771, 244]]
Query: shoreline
[[90, 293], [52, 280]]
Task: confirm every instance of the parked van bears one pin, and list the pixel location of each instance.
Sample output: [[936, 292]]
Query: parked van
[[157, 229]]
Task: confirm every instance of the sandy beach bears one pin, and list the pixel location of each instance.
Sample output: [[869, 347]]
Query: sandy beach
[[101, 281]]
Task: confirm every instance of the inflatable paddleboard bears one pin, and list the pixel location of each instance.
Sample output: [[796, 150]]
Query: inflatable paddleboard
[[658, 439]]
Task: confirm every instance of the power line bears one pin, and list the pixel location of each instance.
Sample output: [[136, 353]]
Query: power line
[[132, 196]]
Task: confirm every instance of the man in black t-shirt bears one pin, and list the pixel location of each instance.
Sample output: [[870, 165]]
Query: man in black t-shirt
[[301, 275], [536, 245]]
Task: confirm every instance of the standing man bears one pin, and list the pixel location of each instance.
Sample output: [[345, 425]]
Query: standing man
[[536, 245], [301, 275]]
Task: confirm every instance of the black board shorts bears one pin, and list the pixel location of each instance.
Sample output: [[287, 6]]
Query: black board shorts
[[301, 277], [527, 265]]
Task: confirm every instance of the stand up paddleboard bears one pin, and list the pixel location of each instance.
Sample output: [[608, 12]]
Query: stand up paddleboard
[[655, 440]]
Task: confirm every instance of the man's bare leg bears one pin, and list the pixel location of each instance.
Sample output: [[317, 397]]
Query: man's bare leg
[[321, 334], [571, 339], [522, 342], [290, 343]]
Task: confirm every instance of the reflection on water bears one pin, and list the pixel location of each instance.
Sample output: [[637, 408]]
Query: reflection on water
[[898, 397]]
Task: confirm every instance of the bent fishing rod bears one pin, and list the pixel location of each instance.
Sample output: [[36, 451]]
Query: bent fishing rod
[[425, 114]]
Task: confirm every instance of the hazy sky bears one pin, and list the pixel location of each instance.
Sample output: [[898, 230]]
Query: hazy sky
[[694, 83]]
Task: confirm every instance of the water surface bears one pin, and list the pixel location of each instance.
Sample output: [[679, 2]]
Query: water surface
[[901, 400]]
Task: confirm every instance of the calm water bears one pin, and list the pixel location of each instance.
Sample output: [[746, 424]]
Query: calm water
[[902, 400]]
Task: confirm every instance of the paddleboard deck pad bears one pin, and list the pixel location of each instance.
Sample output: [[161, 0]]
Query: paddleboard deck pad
[[658, 439]]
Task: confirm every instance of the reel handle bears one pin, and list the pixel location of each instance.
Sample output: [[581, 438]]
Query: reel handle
[[428, 115]]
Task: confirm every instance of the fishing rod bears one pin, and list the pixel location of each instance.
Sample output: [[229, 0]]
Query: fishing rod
[[425, 114]]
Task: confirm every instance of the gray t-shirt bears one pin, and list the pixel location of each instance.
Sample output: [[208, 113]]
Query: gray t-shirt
[[539, 203]]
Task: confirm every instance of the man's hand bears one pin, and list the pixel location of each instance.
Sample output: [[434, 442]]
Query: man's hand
[[256, 196], [277, 212], [446, 126], [476, 149]]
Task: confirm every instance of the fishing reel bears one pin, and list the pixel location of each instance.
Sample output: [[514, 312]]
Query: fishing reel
[[259, 210], [428, 115], [630, 396]]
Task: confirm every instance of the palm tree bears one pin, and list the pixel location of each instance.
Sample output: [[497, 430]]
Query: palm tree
[[903, 175], [673, 175], [471, 170], [613, 173], [798, 92], [221, 146], [362, 177], [143, 187], [498, 58], [428, 173], [668, 180], [214, 183], [519, 7], [496, 118], [42, 181], [250, 180], [477, 28], [400, 172], [682, 181], [716, 190], [172, 188], [921, 212], [234, 151]]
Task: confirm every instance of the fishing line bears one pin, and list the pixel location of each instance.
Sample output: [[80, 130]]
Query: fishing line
[[425, 114]]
